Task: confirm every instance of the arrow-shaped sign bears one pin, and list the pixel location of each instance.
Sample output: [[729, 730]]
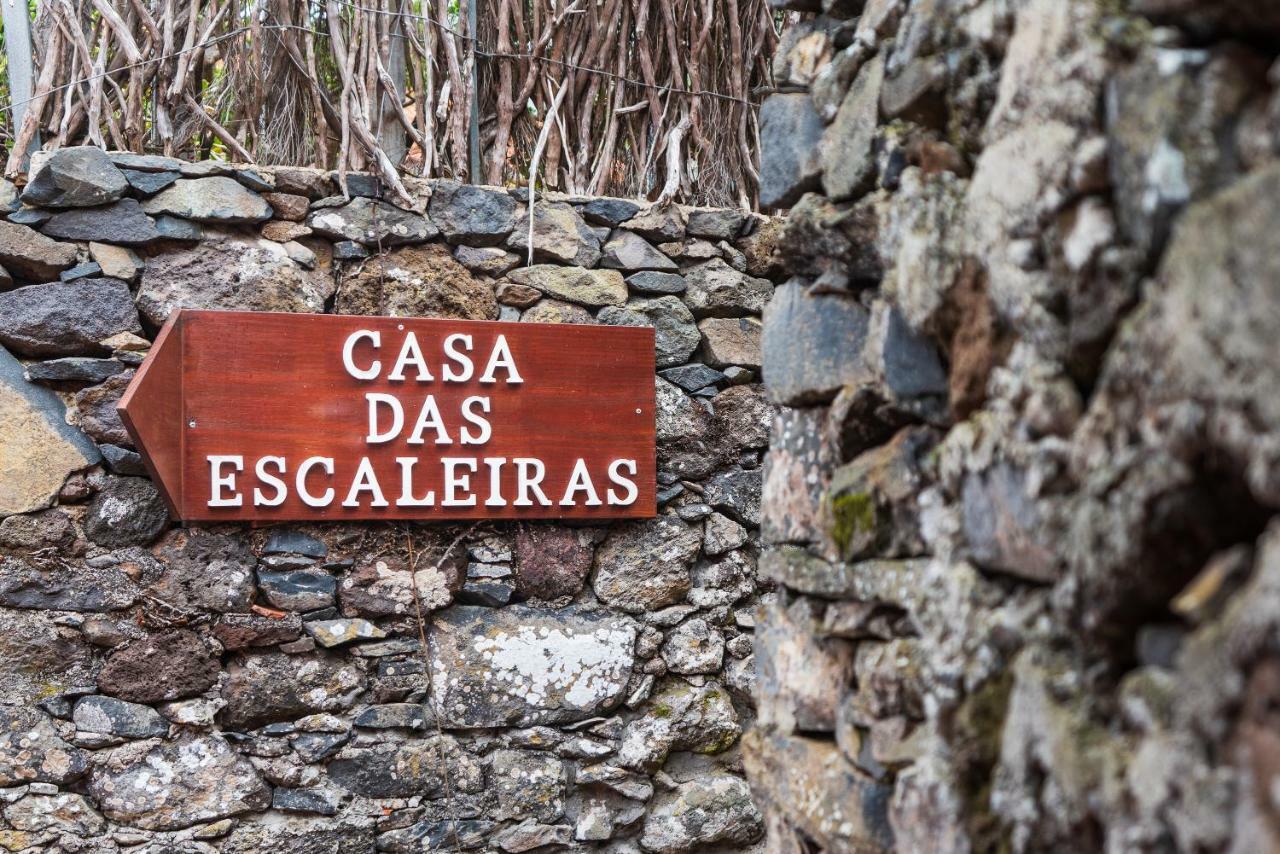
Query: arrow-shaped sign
[[263, 416]]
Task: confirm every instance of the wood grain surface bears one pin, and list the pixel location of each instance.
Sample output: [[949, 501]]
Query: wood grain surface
[[256, 384]]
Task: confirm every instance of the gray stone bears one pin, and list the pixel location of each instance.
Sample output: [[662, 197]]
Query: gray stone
[[205, 780], [786, 645], [447, 835], [790, 158], [37, 530], [204, 571], [144, 162], [31, 750], [559, 236], [593, 288], [679, 716], [651, 282], [529, 835], [291, 541], [675, 335], [721, 534], [122, 222], [372, 223], [87, 270], [127, 511], [626, 250], [264, 687], [30, 255], [116, 717], [349, 250], [713, 810], [812, 344], [1003, 526], [907, 362], [736, 493], [731, 341], [658, 224], [609, 212], [73, 369], [642, 566], [694, 647], [834, 803], [75, 177], [529, 784], [554, 311], [692, 377], [721, 224], [717, 290], [69, 588], [257, 181], [848, 158], [471, 215], [523, 666], [301, 590], [490, 260], [412, 769], [386, 587], [233, 273], [797, 470], [394, 716], [149, 183], [61, 813], [317, 801], [216, 199], [176, 228], [38, 449], [96, 413], [30, 216]]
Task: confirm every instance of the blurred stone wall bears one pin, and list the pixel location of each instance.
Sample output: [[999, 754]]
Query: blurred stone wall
[[228, 688], [1019, 499]]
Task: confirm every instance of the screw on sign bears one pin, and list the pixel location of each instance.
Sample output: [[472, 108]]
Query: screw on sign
[[265, 416]]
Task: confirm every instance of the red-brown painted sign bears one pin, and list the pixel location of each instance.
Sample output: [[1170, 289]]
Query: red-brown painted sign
[[261, 416]]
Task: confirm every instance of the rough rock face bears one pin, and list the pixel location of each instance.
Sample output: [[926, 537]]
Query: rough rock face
[[321, 686], [417, 281], [519, 666], [1021, 499], [205, 779], [235, 273]]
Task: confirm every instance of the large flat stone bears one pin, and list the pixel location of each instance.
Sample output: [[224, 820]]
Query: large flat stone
[[523, 666], [812, 344], [30, 255], [38, 449], [235, 273], [122, 222], [80, 176], [591, 288], [215, 199], [373, 223], [66, 318], [790, 163], [170, 785]]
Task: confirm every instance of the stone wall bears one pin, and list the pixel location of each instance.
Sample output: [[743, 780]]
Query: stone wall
[[1021, 497], [173, 689]]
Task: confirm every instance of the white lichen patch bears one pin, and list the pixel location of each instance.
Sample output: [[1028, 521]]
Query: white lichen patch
[[552, 667]]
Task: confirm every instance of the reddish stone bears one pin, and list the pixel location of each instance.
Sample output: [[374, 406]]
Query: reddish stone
[[551, 562]]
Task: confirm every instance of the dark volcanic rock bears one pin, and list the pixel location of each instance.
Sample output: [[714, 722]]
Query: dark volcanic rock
[[149, 183], [267, 687], [73, 369], [66, 318], [77, 177], [95, 410], [127, 511], [123, 223], [421, 281], [300, 590], [205, 779], [204, 571], [401, 771], [70, 588], [812, 344], [216, 199], [110, 716], [610, 212], [791, 164], [31, 751], [476, 216], [167, 665]]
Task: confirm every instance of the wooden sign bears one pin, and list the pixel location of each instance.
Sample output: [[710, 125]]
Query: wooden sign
[[264, 416]]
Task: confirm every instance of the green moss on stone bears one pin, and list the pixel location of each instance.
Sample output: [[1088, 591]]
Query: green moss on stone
[[853, 516]]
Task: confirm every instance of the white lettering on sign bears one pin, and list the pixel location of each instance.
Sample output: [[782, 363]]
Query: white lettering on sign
[[460, 481]]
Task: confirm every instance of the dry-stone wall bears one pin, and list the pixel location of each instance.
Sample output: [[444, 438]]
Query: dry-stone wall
[[1021, 497], [171, 689]]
